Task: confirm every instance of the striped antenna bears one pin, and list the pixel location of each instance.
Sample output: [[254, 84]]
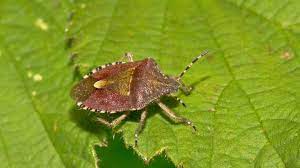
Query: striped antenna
[[190, 65], [180, 101]]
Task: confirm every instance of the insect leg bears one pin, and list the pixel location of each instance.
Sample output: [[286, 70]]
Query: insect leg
[[118, 120], [128, 56], [115, 122], [104, 122], [177, 119], [140, 127], [186, 89]]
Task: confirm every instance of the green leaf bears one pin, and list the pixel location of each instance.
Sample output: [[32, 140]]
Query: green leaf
[[39, 126], [245, 101]]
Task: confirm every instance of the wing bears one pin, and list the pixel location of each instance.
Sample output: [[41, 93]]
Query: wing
[[106, 89], [123, 87]]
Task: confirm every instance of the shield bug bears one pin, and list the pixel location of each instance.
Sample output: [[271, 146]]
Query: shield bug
[[129, 86]]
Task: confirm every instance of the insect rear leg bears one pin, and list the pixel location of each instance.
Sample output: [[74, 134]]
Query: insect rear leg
[[104, 122], [140, 127], [177, 119], [128, 56], [115, 122]]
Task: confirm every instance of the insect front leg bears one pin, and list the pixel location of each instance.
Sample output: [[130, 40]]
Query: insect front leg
[[177, 119], [115, 122], [128, 56], [104, 122], [140, 127]]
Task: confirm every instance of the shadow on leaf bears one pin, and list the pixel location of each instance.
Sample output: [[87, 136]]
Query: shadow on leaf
[[116, 154], [84, 120]]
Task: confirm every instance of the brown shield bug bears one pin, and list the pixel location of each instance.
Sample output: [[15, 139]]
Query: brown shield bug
[[129, 86]]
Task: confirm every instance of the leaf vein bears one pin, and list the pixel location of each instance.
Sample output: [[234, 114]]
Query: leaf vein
[[107, 30], [229, 68], [5, 149], [26, 89]]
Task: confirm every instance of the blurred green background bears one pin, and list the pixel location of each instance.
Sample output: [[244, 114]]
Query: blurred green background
[[245, 101]]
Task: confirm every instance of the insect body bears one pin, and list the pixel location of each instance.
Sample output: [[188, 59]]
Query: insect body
[[126, 87]]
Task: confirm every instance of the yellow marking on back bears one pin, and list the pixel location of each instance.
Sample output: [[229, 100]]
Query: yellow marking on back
[[120, 82], [101, 83]]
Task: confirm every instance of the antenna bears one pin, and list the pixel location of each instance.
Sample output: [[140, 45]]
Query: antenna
[[190, 65]]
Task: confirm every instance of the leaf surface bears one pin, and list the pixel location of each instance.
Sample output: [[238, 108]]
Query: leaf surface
[[39, 126], [245, 101]]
